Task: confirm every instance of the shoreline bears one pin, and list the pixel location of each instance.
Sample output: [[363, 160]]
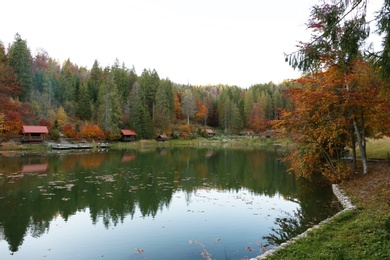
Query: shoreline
[[344, 201]]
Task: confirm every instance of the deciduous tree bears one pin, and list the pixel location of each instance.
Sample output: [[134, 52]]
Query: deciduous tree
[[336, 43], [188, 104]]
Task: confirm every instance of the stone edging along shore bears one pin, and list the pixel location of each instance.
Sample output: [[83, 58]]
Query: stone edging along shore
[[345, 202]]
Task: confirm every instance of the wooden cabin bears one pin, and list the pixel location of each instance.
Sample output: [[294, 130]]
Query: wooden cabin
[[209, 132], [34, 134], [162, 137], [128, 135]]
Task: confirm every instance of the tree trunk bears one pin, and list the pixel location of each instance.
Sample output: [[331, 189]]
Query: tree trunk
[[361, 146], [353, 144]]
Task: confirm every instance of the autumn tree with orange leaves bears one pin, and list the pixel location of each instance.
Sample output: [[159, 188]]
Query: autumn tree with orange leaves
[[257, 119], [340, 102], [201, 111], [92, 131]]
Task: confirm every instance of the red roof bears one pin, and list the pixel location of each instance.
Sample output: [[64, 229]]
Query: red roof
[[209, 131], [35, 129], [128, 132]]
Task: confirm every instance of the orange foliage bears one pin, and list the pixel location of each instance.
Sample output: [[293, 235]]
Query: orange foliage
[[178, 110], [257, 120], [185, 131], [16, 114], [201, 110], [92, 131], [325, 108], [13, 124]]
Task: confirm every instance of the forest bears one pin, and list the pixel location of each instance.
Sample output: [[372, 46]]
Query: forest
[[36, 89], [341, 101]]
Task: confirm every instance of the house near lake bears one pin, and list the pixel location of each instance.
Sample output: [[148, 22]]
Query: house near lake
[[209, 132], [128, 135], [34, 134], [162, 137]]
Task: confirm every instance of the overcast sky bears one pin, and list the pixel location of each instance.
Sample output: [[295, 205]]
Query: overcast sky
[[198, 42]]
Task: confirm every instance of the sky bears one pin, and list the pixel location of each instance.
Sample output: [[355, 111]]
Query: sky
[[197, 42]]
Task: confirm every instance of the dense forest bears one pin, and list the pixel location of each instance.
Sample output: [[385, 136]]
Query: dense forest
[[98, 102]]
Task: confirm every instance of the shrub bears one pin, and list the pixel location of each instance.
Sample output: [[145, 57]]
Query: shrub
[[92, 131], [68, 131], [54, 134]]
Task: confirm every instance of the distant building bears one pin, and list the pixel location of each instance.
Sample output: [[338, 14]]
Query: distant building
[[162, 137], [34, 134], [128, 135], [209, 132]]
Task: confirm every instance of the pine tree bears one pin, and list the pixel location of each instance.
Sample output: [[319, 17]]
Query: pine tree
[[19, 59], [140, 119], [95, 78], [108, 105], [164, 105], [84, 111]]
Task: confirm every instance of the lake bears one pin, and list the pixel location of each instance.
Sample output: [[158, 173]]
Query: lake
[[163, 203]]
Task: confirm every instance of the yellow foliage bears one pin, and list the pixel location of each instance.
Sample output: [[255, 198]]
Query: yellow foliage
[[61, 116]]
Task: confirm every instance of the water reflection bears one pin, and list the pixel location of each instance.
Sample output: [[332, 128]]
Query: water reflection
[[112, 186]]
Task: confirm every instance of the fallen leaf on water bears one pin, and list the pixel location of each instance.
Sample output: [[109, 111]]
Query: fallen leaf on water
[[139, 251]]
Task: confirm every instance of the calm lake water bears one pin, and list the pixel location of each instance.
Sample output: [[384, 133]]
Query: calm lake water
[[176, 203]]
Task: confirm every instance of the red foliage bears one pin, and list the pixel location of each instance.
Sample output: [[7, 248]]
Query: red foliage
[[69, 131], [9, 84], [44, 122]]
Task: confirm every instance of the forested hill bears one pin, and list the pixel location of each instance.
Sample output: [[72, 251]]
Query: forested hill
[[97, 102]]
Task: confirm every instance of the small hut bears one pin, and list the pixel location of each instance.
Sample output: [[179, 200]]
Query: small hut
[[128, 135], [34, 134], [162, 137], [209, 132]]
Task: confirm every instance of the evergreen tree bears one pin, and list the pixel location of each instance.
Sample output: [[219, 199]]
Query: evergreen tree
[[149, 81], [67, 82], [95, 78], [139, 119], [249, 101], [19, 59], [108, 105], [121, 77], [84, 111], [383, 24], [164, 105]]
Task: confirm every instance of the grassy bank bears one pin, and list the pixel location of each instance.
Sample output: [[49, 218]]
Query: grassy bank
[[220, 141], [231, 141], [379, 148], [360, 234]]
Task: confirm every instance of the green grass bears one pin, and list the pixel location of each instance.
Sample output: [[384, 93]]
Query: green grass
[[378, 148], [351, 235], [360, 234]]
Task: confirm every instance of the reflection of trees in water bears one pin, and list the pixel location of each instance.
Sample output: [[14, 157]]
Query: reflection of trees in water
[[287, 227], [114, 185], [316, 204]]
